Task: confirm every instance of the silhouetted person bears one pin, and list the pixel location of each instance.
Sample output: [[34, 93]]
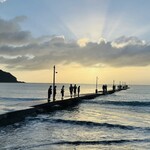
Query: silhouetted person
[[62, 92], [96, 91], [49, 93], [106, 89], [55, 92], [114, 88], [78, 91], [71, 90], [119, 87], [75, 90], [103, 87]]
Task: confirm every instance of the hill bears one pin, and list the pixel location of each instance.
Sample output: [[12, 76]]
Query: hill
[[7, 77]]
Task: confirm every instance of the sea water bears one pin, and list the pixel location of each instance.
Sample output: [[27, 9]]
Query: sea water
[[117, 121]]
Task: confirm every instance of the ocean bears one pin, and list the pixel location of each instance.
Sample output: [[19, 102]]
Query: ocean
[[120, 121]]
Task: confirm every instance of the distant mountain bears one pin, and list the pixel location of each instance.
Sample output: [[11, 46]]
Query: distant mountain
[[7, 77]]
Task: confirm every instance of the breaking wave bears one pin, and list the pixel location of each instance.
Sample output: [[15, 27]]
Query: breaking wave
[[105, 142], [20, 99], [94, 124], [90, 124], [77, 143], [122, 103]]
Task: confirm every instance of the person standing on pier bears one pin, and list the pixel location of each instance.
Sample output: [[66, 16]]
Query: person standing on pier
[[106, 88], [62, 92], [55, 92], [114, 88], [103, 87], [75, 90], [49, 93], [78, 90], [71, 90]]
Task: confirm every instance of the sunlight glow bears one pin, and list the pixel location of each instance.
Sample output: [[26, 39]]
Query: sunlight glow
[[82, 42]]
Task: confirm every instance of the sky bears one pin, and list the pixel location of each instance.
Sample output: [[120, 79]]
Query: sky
[[85, 39]]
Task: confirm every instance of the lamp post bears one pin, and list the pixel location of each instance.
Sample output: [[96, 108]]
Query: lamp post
[[54, 72], [113, 82], [114, 86], [96, 91]]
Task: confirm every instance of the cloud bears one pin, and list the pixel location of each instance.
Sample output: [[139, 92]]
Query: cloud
[[11, 33], [2, 1], [125, 41], [20, 50]]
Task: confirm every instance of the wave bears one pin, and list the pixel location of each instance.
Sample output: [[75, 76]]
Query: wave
[[122, 103], [88, 124], [95, 124], [77, 143], [20, 99], [105, 142]]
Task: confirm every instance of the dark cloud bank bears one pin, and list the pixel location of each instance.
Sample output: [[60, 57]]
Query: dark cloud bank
[[20, 50]]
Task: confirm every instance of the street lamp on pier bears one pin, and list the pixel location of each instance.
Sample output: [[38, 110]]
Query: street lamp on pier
[[96, 91], [54, 73]]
